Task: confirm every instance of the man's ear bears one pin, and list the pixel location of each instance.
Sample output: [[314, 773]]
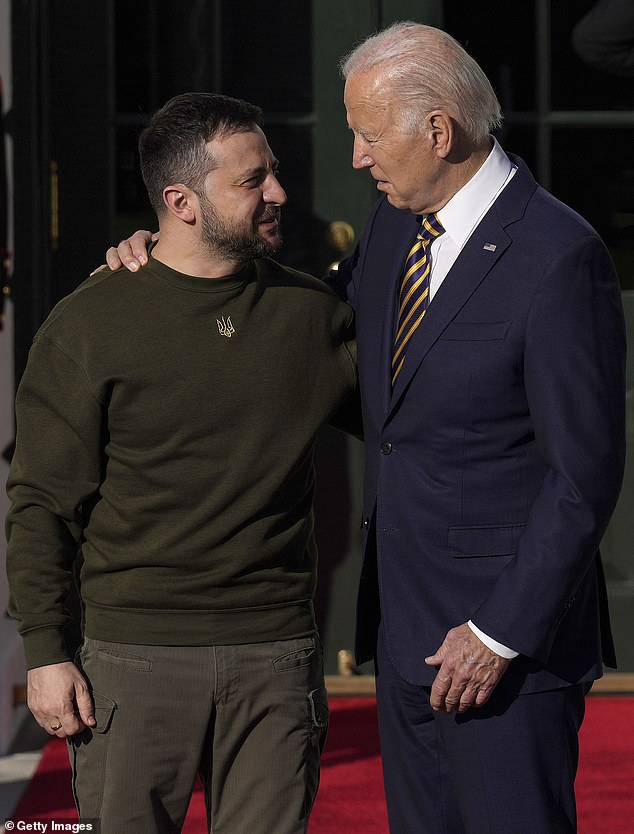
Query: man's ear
[[441, 130], [181, 202]]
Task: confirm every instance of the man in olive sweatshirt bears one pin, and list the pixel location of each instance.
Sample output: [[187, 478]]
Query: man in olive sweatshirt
[[166, 423]]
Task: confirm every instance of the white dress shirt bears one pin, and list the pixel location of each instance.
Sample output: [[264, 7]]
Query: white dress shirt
[[465, 210], [459, 218]]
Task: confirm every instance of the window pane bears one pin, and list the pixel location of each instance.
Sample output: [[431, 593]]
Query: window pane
[[603, 192], [575, 84], [502, 43], [267, 54]]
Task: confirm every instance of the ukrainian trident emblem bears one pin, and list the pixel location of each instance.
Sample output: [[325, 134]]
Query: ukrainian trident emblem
[[225, 327]]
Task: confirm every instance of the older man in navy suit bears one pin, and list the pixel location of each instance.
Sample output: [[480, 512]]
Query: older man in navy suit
[[491, 356]]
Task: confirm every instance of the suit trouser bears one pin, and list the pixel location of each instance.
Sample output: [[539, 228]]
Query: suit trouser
[[505, 768], [251, 720]]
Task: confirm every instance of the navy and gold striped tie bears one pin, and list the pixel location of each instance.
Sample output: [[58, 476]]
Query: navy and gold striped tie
[[414, 290]]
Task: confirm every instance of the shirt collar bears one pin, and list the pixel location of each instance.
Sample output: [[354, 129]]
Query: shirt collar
[[468, 205]]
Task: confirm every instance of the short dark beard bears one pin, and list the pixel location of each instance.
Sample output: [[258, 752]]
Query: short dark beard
[[228, 242]]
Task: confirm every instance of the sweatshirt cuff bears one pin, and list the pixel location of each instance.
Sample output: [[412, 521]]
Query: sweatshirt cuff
[[44, 646], [492, 644]]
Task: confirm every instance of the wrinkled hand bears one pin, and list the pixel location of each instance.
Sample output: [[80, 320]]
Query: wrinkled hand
[[469, 671], [58, 694], [132, 253]]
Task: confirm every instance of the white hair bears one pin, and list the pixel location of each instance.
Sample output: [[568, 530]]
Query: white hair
[[429, 70]]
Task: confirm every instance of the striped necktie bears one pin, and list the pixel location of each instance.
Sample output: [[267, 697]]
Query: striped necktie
[[414, 290]]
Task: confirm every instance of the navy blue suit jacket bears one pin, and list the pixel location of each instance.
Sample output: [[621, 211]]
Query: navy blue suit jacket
[[495, 463]]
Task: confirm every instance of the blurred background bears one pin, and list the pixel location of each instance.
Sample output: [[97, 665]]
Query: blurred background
[[80, 78]]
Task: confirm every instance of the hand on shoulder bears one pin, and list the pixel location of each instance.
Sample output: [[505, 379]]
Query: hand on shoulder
[[131, 253]]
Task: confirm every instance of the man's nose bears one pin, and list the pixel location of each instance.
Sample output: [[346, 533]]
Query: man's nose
[[360, 157], [274, 193]]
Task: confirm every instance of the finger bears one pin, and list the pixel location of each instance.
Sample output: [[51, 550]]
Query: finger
[[120, 256], [52, 724], [439, 690], [453, 697], [66, 732], [99, 269], [77, 711], [468, 698], [60, 732], [437, 658], [84, 703], [71, 724], [113, 260], [484, 693], [70, 720], [139, 243]]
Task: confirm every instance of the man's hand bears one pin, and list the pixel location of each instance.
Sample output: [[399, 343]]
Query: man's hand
[[469, 671], [59, 699], [131, 253]]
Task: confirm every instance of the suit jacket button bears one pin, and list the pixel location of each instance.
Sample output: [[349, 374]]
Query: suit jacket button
[[386, 448]]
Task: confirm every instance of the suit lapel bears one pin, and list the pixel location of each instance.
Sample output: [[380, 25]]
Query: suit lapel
[[469, 270], [483, 250]]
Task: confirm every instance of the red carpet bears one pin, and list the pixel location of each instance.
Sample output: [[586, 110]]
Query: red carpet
[[351, 797]]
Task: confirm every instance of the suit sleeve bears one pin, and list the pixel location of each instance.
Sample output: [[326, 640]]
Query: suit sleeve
[[574, 376], [347, 417], [345, 279], [55, 473]]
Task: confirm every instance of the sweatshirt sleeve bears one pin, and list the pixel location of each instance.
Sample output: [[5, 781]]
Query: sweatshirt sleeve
[[55, 475], [348, 417]]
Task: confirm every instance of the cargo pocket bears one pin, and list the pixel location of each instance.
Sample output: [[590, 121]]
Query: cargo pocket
[[319, 709], [318, 715], [104, 711], [88, 753]]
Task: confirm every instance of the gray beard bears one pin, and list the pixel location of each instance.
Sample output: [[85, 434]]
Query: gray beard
[[219, 238]]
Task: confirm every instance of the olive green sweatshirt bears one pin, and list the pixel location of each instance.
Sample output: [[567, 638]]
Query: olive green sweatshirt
[[165, 431]]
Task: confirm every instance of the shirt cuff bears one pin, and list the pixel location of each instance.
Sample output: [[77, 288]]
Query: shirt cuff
[[496, 647]]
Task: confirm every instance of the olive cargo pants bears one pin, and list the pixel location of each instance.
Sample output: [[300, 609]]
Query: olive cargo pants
[[251, 720]]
